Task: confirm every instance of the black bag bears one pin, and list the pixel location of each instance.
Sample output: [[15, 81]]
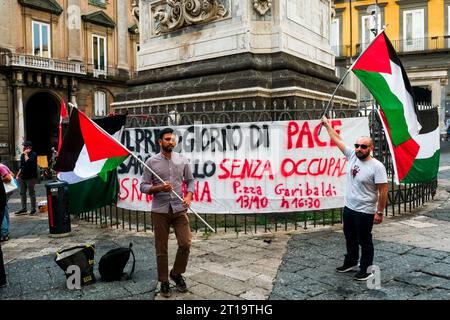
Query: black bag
[[83, 257], [113, 262]]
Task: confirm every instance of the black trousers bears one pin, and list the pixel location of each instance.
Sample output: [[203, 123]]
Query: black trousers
[[2, 264], [358, 233]]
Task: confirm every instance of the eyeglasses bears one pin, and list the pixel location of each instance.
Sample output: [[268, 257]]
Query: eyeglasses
[[362, 146]]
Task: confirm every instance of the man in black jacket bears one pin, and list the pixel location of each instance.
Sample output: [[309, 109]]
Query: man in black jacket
[[27, 177]]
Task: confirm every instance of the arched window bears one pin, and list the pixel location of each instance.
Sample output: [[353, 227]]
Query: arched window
[[99, 103]]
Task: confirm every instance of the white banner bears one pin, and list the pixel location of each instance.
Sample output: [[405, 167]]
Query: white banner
[[250, 167]]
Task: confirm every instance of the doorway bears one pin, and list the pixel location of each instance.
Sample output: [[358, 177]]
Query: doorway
[[41, 122]]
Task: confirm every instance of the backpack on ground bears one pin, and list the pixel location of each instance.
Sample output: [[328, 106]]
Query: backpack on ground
[[113, 263]]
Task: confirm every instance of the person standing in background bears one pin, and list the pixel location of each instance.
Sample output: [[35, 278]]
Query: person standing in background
[[27, 177], [6, 176]]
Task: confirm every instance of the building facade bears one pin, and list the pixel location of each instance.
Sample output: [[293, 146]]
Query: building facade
[[419, 31], [80, 52]]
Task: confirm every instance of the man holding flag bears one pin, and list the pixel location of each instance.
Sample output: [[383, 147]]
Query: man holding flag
[[168, 210], [365, 200]]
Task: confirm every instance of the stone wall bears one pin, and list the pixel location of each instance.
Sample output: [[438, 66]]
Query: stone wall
[[229, 27]]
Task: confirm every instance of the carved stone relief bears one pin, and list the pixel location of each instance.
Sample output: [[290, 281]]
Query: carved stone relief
[[135, 12], [262, 6], [170, 15]]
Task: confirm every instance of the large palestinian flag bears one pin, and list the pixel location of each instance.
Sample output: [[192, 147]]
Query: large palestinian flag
[[414, 140], [88, 160]]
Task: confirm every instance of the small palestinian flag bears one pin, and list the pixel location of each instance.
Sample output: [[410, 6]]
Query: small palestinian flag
[[414, 142], [88, 160]]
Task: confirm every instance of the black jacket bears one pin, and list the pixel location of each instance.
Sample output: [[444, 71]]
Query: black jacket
[[28, 169]]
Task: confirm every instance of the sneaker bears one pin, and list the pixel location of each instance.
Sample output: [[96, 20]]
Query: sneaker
[[362, 276], [33, 212], [346, 268], [165, 290], [4, 238], [179, 280], [21, 211], [3, 284]]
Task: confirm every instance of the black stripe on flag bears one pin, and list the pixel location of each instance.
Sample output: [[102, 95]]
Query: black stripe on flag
[[429, 119], [394, 58], [72, 144], [112, 124]]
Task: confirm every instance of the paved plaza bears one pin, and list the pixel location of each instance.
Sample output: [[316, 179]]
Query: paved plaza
[[411, 250]]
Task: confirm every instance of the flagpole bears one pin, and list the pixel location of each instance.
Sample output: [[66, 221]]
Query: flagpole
[[153, 172], [343, 78]]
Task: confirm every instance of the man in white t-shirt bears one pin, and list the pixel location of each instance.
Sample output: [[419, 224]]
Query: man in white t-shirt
[[365, 201]]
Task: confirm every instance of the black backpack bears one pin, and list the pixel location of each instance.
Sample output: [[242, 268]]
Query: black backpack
[[113, 262]]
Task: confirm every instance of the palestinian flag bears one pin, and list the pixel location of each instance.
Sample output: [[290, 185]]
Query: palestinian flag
[[381, 71], [417, 160], [413, 139], [88, 160]]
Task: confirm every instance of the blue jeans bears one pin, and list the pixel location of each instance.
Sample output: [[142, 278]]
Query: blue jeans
[[358, 233], [5, 223], [2, 265]]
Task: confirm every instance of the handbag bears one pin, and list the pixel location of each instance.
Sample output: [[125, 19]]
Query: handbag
[[10, 186], [81, 256]]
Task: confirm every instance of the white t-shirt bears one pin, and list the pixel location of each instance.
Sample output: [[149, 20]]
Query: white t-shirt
[[362, 177]]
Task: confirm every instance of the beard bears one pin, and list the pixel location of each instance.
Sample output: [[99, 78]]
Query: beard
[[362, 156], [167, 148]]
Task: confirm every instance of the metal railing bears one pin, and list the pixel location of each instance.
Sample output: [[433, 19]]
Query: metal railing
[[434, 43], [41, 63], [109, 73], [401, 199]]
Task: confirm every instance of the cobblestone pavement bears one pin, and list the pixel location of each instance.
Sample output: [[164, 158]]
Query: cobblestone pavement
[[412, 251]]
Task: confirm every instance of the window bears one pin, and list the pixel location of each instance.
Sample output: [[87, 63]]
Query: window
[[368, 23], [99, 55], [41, 39], [99, 103], [413, 30], [334, 37]]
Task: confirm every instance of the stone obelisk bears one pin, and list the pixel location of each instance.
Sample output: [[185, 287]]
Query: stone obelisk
[[208, 52]]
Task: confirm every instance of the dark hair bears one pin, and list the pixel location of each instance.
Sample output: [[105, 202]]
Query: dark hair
[[164, 131]]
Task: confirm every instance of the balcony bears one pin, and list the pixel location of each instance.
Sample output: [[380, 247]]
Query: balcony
[[45, 64], [110, 73], [415, 45]]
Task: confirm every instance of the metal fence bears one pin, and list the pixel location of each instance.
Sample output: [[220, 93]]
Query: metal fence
[[401, 199]]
